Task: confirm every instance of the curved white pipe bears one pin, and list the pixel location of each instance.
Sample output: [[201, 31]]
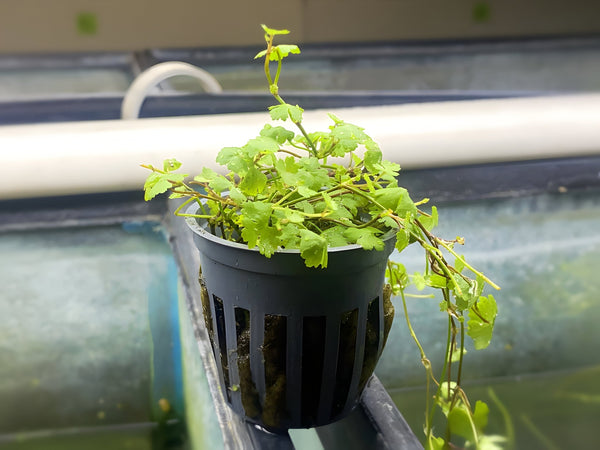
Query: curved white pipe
[[147, 80]]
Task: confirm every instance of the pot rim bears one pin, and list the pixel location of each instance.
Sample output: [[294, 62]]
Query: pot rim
[[198, 229]]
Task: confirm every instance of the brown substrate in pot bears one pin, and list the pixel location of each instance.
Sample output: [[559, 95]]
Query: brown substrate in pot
[[274, 411], [372, 337], [250, 400]]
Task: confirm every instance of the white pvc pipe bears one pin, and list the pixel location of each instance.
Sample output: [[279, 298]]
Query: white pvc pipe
[[103, 156], [151, 77]]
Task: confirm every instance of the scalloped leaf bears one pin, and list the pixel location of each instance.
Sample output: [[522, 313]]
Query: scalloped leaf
[[273, 31], [285, 111], [481, 321]]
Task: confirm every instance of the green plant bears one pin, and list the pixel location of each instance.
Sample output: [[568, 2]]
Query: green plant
[[315, 190]]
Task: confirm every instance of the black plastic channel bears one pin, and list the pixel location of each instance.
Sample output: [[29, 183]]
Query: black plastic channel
[[79, 210], [108, 107], [376, 424], [509, 179]]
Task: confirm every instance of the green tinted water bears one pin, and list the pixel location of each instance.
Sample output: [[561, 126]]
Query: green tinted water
[[544, 251], [142, 436], [129, 439], [549, 411]]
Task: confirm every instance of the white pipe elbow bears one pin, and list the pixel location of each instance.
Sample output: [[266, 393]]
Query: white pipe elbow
[[150, 78]]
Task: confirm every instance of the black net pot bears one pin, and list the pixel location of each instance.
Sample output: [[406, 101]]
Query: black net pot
[[294, 345]]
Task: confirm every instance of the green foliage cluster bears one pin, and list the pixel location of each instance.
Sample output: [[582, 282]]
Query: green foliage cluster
[[311, 191]]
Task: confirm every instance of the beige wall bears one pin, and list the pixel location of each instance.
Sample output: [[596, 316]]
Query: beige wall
[[51, 25], [433, 19]]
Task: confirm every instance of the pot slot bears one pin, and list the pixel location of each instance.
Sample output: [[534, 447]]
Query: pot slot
[[372, 339], [249, 394], [345, 360], [208, 319], [275, 354], [313, 353], [222, 339]]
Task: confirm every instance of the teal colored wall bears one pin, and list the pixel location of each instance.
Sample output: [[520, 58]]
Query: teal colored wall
[[544, 251], [89, 331]]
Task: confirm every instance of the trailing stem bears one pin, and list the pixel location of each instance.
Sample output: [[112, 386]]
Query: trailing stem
[[426, 364]]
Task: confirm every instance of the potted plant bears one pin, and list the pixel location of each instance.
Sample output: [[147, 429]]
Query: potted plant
[[294, 240]]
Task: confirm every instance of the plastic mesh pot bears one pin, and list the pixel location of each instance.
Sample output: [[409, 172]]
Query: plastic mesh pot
[[294, 345]]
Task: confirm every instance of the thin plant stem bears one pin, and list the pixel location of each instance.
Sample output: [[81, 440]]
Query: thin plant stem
[[440, 383], [180, 207], [426, 363], [466, 264], [283, 150], [420, 295], [462, 352], [286, 196]]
